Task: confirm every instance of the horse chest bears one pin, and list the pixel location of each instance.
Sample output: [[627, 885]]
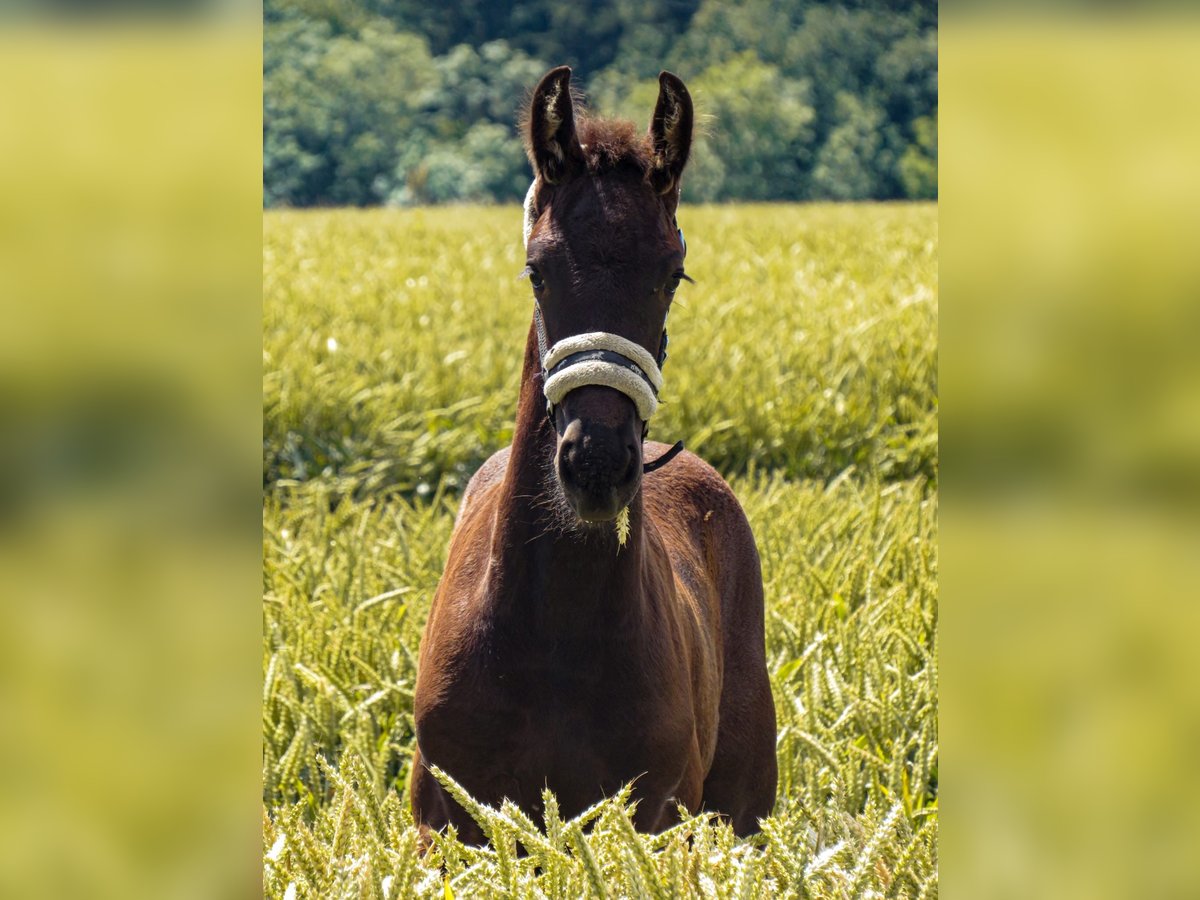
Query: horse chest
[[579, 721]]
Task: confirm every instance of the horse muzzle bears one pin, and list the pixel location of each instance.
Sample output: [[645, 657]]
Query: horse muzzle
[[599, 458]]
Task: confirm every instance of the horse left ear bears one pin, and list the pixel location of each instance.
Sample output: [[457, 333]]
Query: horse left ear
[[671, 132], [553, 147]]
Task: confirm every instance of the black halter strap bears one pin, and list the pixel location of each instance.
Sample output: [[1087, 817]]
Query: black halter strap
[[675, 450], [677, 447]]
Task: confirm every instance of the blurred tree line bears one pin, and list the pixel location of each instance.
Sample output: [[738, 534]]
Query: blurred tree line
[[409, 102]]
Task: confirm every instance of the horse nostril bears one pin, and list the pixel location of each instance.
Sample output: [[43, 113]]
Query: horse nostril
[[633, 464], [569, 443]]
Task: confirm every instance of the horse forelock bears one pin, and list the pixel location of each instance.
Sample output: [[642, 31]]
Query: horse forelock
[[614, 143]]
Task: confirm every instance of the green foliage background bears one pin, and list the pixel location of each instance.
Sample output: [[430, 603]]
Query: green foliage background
[[803, 365], [401, 102]]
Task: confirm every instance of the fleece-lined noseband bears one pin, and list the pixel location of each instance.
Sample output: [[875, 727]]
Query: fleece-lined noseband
[[601, 358]]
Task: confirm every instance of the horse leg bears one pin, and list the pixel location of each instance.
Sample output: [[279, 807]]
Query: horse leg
[[433, 809], [741, 783], [742, 779], [655, 815]]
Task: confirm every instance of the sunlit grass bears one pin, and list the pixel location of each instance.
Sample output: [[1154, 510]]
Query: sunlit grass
[[381, 397], [392, 342]]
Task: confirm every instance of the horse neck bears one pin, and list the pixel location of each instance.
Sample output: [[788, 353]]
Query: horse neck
[[542, 565]]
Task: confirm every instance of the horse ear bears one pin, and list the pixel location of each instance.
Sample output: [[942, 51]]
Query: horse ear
[[553, 147], [671, 132]]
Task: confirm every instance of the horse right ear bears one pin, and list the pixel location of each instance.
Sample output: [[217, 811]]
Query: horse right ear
[[671, 132], [553, 148]]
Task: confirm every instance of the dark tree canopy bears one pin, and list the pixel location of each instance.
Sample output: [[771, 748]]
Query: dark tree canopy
[[405, 102]]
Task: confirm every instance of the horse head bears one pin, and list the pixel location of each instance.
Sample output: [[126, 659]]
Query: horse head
[[604, 259]]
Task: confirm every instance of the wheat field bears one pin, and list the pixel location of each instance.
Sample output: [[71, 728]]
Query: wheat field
[[803, 365]]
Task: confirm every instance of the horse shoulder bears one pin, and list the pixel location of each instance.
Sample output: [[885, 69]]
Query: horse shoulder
[[468, 559], [712, 547], [691, 497], [448, 643], [487, 475]]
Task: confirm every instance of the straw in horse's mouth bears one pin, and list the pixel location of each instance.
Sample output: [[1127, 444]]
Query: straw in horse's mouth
[[622, 526]]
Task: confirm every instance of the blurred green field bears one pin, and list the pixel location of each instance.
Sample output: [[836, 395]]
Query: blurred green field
[[803, 365]]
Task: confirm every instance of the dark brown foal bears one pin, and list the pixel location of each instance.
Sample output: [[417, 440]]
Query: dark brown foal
[[561, 650]]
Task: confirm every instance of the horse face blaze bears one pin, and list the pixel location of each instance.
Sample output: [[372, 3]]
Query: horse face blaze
[[599, 458]]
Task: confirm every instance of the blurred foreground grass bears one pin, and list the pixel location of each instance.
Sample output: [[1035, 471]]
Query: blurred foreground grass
[[129, 419], [1070, 203]]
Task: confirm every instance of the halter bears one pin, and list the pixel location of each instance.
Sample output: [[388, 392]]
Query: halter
[[601, 358]]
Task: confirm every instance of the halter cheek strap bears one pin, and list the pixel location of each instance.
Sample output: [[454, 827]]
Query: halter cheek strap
[[600, 358]]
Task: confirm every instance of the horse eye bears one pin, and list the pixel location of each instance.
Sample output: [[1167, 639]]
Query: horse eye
[[535, 278], [673, 284]]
